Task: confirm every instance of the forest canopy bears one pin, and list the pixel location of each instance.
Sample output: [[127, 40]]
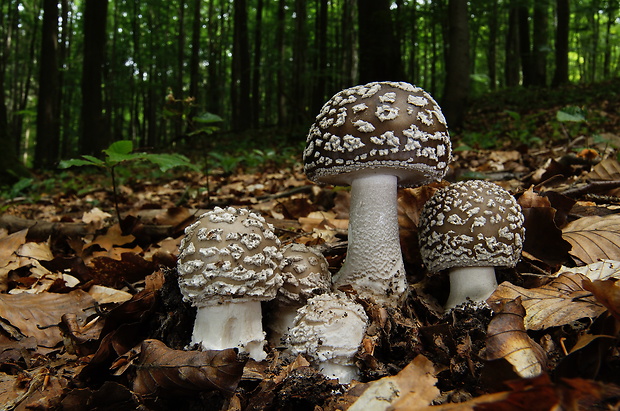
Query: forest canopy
[[78, 75]]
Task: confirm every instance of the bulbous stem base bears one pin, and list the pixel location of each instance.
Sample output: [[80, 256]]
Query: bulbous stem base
[[473, 283]]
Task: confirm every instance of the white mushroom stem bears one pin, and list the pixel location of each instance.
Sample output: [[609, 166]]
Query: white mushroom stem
[[231, 324], [473, 283], [374, 264]]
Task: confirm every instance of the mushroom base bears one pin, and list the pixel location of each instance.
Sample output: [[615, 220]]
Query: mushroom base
[[344, 373], [473, 283], [235, 324], [281, 320], [374, 263]]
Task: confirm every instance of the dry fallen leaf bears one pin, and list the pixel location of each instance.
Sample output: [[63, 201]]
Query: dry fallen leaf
[[560, 302], [607, 292], [594, 238], [161, 367], [412, 388], [507, 339], [37, 315], [608, 169]]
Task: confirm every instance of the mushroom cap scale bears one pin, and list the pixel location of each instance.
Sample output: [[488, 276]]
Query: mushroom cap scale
[[229, 254], [305, 274], [471, 224], [385, 127]]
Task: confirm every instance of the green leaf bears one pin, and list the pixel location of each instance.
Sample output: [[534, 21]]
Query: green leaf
[[208, 118], [113, 158], [570, 114], [168, 161], [120, 147], [80, 162]]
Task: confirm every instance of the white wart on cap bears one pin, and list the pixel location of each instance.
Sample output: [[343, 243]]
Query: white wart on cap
[[378, 125], [228, 263], [476, 225]]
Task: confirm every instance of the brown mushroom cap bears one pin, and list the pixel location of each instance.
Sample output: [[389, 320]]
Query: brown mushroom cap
[[471, 224], [389, 126]]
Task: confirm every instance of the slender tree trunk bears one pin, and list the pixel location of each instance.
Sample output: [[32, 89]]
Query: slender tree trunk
[[256, 72], [178, 125], [48, 109], [611, 18], [539, 67], [240, 85], [525, 49], [281, 77], [511, 65], [458, 64], [378, 47], [348, 45], [299, 87], [320, 66], [561, 42], [94, 133], [492, 45]]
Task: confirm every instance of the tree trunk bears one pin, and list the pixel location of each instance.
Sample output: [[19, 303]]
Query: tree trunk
[[379, 53], [320, 63], [525, 49], [240, 84], [539, 66], [256, 72], [511, 65], [48, 109], [94, 130], [457, 76], [492, 46], [282, 102], [561, 42], [299, 86]]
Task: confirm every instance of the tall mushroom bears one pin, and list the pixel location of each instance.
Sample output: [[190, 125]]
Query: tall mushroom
[[228, 263], [376, 137], [469, 228]]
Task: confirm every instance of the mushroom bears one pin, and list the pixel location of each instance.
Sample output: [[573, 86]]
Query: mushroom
[[305, 274], [376, 137], [329, 330], [469, 228], [228, 263]]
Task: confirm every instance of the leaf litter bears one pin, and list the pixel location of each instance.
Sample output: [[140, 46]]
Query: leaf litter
[[91, 316]]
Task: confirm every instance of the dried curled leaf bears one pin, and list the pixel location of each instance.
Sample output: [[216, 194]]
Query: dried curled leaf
[[607, 292], [177, 370], [594, 238], [507, 339], [608, 169], [560, 302], [412, 388]]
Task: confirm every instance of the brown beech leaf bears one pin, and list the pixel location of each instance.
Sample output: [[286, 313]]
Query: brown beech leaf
[[507, 339], [37, 315], [560, 302], [607, 292], [177, 370], [608, 169], [412, 388], [594, 238]]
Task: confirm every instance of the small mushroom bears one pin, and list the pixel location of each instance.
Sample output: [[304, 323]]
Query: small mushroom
[[305, 274], [469, 228], [329, 330], [228, 263], [376, 137]]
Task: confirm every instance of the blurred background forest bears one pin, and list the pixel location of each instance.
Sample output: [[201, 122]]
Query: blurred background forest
[[78, 75]]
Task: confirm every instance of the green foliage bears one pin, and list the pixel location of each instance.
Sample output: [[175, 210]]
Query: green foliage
[[121, 152], [571, 114]]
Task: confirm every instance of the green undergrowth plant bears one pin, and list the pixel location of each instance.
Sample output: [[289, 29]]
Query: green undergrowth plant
[[120, 153]]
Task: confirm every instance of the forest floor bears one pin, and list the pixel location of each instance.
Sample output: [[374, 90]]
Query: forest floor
[[91, 316]]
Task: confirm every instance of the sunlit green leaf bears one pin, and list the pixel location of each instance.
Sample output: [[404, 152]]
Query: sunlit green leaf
[[168, 161], [570, 114]]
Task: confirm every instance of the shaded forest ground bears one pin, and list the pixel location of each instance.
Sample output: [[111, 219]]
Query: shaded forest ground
[[74, 345]]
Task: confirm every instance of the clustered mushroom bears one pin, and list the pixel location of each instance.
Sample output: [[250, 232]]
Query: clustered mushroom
[[376, 137], [228, 263], [469, 228], [329, 330], [305, 274]]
